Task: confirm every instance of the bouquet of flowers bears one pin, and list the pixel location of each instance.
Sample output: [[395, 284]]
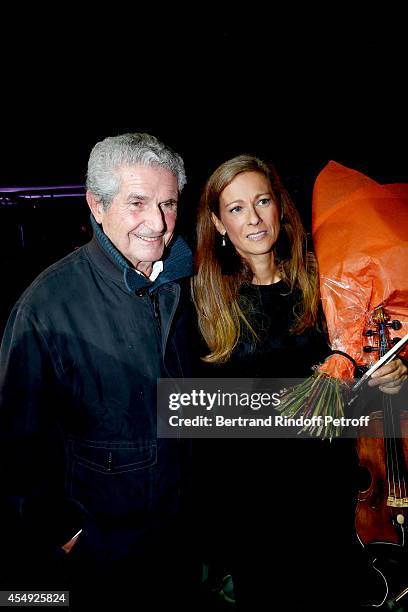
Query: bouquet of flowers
[[360, 234]]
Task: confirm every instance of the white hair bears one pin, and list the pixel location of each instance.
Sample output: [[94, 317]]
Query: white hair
[[128, 149]]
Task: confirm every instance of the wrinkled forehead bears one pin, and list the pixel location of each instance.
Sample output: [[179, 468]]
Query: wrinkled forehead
[[150, 180]]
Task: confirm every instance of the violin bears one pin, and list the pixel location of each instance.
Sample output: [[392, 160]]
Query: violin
[[381, 518]]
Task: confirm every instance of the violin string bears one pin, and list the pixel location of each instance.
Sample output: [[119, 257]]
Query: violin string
[[395, 464], [390, 450], [402, 463], [387, 422], [393, 445], [401, 457], [390, 428], [398, 442], [392, 434]]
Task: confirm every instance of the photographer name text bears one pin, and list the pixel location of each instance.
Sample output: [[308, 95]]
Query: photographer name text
[[269, 421]]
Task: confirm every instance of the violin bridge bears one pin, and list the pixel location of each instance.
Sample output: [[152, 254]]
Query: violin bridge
[[397, 502]]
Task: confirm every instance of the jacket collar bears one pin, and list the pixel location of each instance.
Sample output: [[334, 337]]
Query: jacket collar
[[177, 261]]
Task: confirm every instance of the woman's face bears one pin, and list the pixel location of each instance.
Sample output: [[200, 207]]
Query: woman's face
[[249, 214]]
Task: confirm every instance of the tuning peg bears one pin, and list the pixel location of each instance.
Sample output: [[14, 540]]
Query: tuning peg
[[370, 349], [369, 332], [394, 324], [395, 340]]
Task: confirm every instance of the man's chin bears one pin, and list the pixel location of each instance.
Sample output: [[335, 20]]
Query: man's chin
[[142, 261], [148, 252]]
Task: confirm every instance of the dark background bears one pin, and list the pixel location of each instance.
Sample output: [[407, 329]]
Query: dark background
[[299, 91], [212, 89]]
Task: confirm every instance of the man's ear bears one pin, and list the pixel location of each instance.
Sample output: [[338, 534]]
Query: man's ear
[[95, 206], [218, 223]]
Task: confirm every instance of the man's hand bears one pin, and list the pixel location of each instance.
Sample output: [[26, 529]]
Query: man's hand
[[390, 378]]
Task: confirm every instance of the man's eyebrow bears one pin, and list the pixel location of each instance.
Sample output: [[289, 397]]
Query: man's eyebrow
[[140, 197], [136, 196], [174, 200]]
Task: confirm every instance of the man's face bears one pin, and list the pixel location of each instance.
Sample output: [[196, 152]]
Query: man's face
[[141, 217]]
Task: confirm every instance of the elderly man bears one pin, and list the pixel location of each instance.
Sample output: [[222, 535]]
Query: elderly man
[[90, 494]]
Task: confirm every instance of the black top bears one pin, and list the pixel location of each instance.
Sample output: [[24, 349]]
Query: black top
[[281, 498], [276, 352]]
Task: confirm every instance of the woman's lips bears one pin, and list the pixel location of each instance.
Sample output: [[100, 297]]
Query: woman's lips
[[257, 235]]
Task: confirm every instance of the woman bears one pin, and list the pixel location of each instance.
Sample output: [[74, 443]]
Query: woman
[[256, 294]]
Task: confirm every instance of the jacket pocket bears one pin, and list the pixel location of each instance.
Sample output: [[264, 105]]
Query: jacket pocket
[[114, 457], [112, 478]]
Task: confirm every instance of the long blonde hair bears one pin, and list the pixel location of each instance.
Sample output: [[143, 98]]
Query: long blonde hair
[[216, 294]]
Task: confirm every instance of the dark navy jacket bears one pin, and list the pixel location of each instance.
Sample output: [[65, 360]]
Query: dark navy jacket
[[81, 354]]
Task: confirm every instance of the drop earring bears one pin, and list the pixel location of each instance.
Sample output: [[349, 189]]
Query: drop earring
[[223, 241]]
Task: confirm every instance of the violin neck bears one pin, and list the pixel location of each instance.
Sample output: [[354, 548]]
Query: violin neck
[[393, 447]]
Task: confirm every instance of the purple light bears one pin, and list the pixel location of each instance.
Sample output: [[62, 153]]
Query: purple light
[[45, 188], [11, 196]]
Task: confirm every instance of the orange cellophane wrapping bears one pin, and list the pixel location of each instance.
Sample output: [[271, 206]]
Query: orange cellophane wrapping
[[360, 234]]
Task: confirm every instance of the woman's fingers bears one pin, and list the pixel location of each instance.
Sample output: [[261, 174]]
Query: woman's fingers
[[390, 378]]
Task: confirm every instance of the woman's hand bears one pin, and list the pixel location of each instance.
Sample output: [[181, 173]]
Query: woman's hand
[[390, 378]]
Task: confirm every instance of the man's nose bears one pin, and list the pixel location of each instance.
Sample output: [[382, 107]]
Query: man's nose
[[155, 220]]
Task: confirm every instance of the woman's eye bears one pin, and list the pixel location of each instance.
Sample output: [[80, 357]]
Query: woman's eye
[[235, 209], [264, 201]]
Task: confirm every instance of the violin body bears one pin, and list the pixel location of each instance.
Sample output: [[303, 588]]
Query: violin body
[[383, 528], [375, 520], [381, 518]]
